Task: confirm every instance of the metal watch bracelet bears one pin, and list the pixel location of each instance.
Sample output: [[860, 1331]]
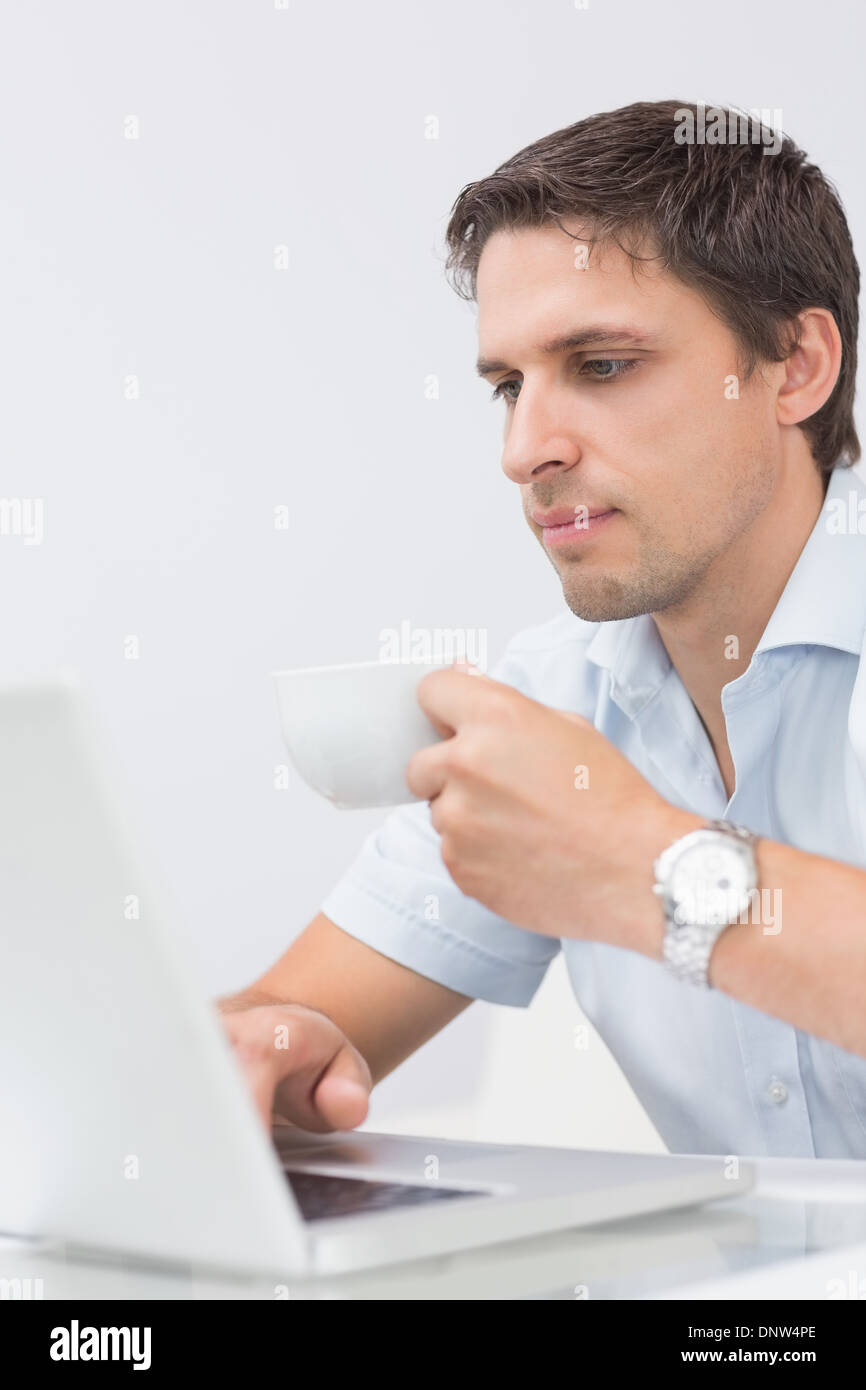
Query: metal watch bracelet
[[688, 946]]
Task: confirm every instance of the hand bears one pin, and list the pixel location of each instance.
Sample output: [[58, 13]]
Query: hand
[[541, 819], [299, 1066]]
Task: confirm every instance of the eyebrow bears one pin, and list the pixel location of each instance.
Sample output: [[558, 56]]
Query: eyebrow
[[594, 336]]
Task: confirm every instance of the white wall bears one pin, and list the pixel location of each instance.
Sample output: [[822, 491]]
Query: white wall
[[154, 257]]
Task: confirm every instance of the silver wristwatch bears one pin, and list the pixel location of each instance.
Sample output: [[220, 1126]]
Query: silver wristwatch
[[705, 880]]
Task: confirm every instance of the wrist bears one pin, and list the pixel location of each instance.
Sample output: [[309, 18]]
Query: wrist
[[706, 881], [652, 831]]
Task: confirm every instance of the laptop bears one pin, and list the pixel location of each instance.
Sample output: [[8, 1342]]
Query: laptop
[[126, 1127]]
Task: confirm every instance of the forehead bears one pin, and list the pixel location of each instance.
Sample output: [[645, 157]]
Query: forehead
[[540, 280]]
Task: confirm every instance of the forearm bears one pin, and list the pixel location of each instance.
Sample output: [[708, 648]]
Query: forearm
[[808, 966], [800, 952]]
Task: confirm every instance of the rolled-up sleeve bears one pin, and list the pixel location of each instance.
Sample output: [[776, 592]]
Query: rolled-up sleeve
[[398, 897]]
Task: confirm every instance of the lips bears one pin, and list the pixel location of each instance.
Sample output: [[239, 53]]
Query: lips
[[565, 516]]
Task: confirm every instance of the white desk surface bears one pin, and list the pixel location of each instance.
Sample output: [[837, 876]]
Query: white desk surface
[[799, 1233]]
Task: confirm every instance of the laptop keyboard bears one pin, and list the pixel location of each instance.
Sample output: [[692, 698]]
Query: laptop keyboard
[[321, 1196]]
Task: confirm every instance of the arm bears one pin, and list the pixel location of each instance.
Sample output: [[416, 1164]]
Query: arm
[[809, 968], [385, 1010], [575, 857], [801, 953]]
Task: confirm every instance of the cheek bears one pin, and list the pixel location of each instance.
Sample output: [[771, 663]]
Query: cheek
[[652, 430], [659, 407], [696, 414], [671, 437]]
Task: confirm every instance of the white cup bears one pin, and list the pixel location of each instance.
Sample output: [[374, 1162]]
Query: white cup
[[350, 730]]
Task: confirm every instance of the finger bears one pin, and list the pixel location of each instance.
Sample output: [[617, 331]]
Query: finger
[[426, 772], [450, 699], [342, 1096], [254, 1060], [260, 1081], [314, 1049]]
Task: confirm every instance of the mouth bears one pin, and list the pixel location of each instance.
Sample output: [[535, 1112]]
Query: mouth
[[569, 527]]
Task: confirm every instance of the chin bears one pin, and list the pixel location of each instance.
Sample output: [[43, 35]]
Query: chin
[[605, 600]]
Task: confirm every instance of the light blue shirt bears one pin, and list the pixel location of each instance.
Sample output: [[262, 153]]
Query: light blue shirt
[[715, 1075]]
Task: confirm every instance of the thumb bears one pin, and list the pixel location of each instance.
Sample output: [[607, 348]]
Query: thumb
[[342, 1095]]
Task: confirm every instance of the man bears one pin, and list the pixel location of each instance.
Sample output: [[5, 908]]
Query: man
[[672, 328]]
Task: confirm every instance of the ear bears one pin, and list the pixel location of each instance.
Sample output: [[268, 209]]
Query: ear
[[812, 370]]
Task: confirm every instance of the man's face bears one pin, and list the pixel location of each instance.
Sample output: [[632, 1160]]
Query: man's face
[[635, 438]]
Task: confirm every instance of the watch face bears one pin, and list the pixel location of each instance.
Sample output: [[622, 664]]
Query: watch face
[[710, 882]]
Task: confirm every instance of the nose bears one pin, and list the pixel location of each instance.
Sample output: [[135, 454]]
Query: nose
[[539, 439]]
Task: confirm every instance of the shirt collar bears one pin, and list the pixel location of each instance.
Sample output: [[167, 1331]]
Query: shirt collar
[[823, 602]]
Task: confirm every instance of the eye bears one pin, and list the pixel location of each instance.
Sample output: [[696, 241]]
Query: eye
[[618, 365], [611, 369]]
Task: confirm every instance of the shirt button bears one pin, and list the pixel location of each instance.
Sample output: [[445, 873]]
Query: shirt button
[[777, 1091]]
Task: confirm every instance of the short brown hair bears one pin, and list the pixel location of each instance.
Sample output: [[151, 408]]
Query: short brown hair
[[760, 235]]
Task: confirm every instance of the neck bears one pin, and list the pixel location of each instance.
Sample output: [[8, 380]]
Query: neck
[[711, 637]]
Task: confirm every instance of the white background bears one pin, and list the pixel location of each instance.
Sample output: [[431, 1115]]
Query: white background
[[154, 257]]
